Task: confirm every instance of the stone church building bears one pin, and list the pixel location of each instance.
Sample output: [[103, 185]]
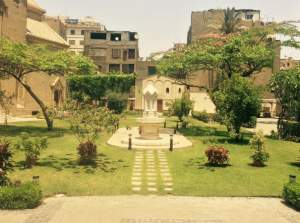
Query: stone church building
[[24, 22]]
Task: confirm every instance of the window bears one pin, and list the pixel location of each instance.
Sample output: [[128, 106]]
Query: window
[[81, 42], [114, 68], [131, 53], [116, 53], [128, 68], [179, 90], [167, 90], [82, 32], [115, 37], [249, 17], [72, 42], [133, 37], [98, 36], [72, 32], [125, 54], [151, 70]]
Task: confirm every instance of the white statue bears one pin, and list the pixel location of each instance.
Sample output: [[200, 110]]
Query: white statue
[[150, 101]]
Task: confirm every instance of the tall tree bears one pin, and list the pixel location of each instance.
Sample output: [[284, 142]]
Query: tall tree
[[231, 19], [18, 60]]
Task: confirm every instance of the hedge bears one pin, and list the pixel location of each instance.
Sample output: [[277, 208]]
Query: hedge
[[95, 86], [290, 130], [28, 195], [291, 194]]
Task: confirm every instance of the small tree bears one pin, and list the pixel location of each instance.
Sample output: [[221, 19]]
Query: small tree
[[87, 121], [181, 107], [260, 155], [116, 101], [5, 161], [237, 101], [18, 60], [231, 19], [32, 148]]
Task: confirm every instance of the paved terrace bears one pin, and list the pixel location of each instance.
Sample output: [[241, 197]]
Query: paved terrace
[[155, 209]]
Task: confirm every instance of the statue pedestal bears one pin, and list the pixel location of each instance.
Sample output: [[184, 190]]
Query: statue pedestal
[[149, 127]]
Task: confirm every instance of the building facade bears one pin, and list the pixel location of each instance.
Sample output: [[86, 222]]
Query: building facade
[[75, 31], [27, 24], [113, 51]]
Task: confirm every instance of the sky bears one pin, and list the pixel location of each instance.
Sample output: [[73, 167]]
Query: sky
[[161, 23]]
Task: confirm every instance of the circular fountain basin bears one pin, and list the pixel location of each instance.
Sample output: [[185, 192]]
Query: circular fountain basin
[[162, 141]]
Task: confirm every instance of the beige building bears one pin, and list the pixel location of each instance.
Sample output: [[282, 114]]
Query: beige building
[[113, 51], [25, 22], [75, 31]]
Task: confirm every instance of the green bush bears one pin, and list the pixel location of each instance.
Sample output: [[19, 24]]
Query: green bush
[[291, 194], [117, 102], [252, 123], [260, 155], [290, 130], [28, 195], [202, 116]]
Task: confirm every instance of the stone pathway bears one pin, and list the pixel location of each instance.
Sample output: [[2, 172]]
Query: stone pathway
[[151, 172]]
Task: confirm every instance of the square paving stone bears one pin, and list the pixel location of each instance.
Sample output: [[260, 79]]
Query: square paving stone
[[152, 189], [169, 184], [165, 174], [136, 179], [151, 174], [137, 174], [136, 189], [168, 189], [151, 183], [136, 183], [151, 178], [167, 179]]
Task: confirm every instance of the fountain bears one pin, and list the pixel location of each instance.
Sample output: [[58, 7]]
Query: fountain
[[148, 134]]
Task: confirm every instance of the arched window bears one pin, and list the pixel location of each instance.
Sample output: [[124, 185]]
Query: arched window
[[179, 90], [167, 90]]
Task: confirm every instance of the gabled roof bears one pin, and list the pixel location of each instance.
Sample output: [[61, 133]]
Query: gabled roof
[[150, 89], [43, 31]]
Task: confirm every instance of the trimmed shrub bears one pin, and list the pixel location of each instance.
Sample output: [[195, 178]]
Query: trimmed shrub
[[291, 194], [252, 123], [87, 152], [116, 102], [202, 116], [260, 155], [217, 156], [28, 195]]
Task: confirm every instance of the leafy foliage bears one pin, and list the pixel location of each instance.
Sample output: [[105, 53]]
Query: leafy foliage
[[5, 103], [217, 156], [28, 195], [32, 148], [87, 152], [237, 101], [291, 194], [181, 107], [5, 161], [231, 19], [95, 87], [260, 155], [116, 101], [18, 60]]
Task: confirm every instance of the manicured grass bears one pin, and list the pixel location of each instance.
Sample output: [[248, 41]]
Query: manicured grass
[[60, 173], [58, 168], [193, 177]]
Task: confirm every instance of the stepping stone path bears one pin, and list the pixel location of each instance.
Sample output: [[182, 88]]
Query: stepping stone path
[[151, 172]]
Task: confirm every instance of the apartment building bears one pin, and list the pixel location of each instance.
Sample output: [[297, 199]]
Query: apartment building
[[113, 51], [75, 31]]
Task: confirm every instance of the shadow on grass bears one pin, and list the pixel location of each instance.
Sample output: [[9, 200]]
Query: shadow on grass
[[36, 131], [295, 164], [201, 163], [102, 162]]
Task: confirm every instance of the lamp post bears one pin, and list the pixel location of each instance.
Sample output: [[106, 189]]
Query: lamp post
[[292, 178], [130, 142], [35, 179], [171, 143]]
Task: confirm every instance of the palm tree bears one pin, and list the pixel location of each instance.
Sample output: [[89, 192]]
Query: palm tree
[[3, 11], [231, 19]]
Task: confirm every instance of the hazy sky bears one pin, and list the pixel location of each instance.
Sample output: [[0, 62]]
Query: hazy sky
[[160, 23]]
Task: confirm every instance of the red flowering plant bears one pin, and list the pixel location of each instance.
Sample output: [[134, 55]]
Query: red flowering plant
[[217, 156]]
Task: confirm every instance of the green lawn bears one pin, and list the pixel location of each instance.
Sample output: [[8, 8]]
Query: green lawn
[[59, 172]]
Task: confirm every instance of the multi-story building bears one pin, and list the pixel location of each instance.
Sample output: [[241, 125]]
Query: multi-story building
[[113, 51], [75, 31]]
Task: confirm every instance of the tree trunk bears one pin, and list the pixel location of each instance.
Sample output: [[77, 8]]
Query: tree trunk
[[43, 107]]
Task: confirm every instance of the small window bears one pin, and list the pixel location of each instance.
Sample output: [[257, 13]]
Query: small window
[[116, 53], [72, 42], [72, 32], [98, 36], [249, 17], [167, 90], [115, 37], [114, 68], [82, 32], [179, 90], [151, 70], [131, 53], [133, 36], [81, 42], [128, 68]]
